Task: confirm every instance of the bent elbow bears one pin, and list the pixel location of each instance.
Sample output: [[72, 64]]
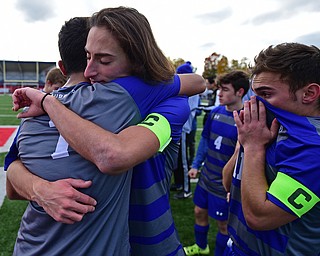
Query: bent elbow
[[10, 191], [105, 168], [226, 184], [110, 164], [12, 195], [254, 222]]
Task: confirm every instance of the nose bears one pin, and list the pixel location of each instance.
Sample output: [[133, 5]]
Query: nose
[[90, 70]]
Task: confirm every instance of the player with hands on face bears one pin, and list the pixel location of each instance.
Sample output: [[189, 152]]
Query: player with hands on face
[[275, 203]]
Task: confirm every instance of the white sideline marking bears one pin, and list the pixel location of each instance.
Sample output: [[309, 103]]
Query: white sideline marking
[[6, 146], [2, 185]]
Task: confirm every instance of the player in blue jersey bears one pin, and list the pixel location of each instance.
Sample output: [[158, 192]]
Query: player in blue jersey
[[151, 225], [275, 205], [136, 94], [216, 146]]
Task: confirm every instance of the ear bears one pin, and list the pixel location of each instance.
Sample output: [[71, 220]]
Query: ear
[[62, 68], [240, 92], [48, 82], [311, 93]]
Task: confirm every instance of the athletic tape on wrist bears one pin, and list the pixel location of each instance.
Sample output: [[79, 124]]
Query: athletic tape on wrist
[[160, 126]]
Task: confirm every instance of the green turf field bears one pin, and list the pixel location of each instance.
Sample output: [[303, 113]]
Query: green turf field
[[7, 116], [11, 211]]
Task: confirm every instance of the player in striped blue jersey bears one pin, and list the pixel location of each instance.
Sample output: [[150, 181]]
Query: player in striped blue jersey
[[151, 226], [275, 205], [216, 146]]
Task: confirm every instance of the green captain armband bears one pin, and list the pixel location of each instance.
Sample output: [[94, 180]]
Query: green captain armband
[[293, 194], [160, 126]]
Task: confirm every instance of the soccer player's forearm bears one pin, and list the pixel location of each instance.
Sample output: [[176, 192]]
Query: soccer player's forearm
[[19, 182]]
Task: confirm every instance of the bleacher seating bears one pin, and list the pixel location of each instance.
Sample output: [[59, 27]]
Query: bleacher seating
[[16, 74]]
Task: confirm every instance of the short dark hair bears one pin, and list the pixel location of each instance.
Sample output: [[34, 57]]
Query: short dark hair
[[72, 41], [211, 79], [237, 78]]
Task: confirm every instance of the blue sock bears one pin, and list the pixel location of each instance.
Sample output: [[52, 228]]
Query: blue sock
[[221, 244], [201, 235]]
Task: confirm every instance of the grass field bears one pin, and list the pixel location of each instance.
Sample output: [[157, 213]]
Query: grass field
[[11, 211], [7, 116]]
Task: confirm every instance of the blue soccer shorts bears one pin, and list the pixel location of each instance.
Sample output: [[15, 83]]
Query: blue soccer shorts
[[217, 207]]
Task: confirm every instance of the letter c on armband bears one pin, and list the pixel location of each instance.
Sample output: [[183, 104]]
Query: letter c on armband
[[160, 126], [295, 195]]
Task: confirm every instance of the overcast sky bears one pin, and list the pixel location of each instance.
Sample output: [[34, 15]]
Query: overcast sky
[[187, 29]]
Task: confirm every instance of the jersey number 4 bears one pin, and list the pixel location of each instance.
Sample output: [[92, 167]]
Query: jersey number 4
[[217, 142]]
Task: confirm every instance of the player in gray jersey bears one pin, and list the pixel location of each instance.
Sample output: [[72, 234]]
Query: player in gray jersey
[[44, 152]]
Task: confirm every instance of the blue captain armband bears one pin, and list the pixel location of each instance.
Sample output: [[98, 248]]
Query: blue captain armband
[[293, 194], [160, 126]]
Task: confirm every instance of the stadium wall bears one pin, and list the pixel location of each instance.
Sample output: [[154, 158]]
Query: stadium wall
[[17, 74]]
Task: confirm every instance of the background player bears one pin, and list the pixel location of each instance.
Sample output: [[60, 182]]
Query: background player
[[216, 146]]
